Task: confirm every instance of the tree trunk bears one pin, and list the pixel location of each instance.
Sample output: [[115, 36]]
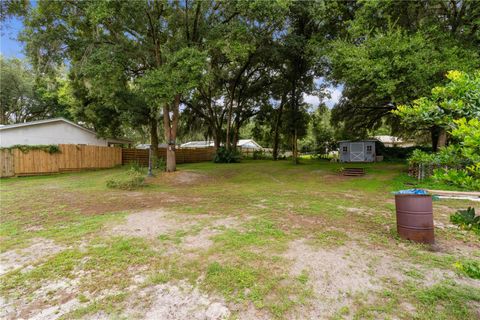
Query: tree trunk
[[217, 134], [434, 137], [276, 136], [229, 124], [295, 147], [171, 159], [295, 122], [154, 137], [442, 139], [171, 125], [439, 138], [235, 135]]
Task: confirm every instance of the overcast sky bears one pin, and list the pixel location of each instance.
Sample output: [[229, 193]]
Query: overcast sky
[[335, 95]]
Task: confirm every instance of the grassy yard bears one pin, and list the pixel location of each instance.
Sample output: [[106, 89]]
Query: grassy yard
[[255, 240]]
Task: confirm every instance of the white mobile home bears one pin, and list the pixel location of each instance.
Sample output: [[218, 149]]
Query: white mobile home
[[242, 143], [52, 131]]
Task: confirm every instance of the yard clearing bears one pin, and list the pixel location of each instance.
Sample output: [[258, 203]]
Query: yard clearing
[[255, 240]]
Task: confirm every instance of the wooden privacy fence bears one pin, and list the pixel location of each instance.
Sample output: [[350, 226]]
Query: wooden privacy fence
[[183, 155], [15, 162]]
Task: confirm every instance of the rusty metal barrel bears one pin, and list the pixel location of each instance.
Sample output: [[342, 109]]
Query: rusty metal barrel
[[415, 217]]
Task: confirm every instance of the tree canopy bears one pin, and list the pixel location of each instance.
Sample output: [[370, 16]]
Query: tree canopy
[[216, 68]]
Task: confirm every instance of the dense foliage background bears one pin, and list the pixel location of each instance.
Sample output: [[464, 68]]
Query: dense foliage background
[[174, 71]]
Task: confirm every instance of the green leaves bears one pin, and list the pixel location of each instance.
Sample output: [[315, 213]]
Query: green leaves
[[459, 98], [468, 132], [393, 52], [183, 71], [466, 219], [456, 106]]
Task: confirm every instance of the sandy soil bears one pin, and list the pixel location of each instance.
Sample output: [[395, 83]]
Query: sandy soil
[[338, 274], [148, 224], [175, 301], [50, 301], [153, 223], [335, 274], [182, 177], [14, 259]]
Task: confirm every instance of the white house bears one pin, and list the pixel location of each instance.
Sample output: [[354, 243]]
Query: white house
[[249, 144], [392, 141], [52, 131], [242, 143], [198, 144]]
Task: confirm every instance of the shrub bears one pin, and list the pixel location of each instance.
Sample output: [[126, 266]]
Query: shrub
[[135, 179], [397, 153], [135, 166], [457, 177], [224, 155], [159, 163], [466, 219], [452, 166], [261, 155], [470, 268], [50, 148]]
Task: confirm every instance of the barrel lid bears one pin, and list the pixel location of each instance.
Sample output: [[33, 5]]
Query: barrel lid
[[410, 192]]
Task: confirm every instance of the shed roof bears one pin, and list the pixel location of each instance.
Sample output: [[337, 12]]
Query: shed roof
[[362, 140]]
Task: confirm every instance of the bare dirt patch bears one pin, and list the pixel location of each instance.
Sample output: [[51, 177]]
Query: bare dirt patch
[[150, 224], [15, 259], [153, 223], [334, 271], [180, 178], [340, 273], [203, 239], [181, 301], [91, 203], [52, 300]]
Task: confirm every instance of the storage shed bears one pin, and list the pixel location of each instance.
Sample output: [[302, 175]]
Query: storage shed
[[357, 151]]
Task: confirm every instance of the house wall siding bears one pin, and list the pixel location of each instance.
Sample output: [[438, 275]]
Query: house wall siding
[[49, 133]]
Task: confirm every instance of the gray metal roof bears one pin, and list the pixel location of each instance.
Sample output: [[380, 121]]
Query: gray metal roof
[[361, 140]]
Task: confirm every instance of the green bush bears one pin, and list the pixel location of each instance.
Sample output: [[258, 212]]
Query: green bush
[[224, 155], [448, 156], [261, 155], [159, 163], [457, 177], [450, 165], [50, 148], [470, 268], [466, 219], [135, 166], [397, 153], [135, 179]]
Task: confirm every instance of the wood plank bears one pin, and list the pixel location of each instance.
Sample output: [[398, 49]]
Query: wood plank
[[453, 193]]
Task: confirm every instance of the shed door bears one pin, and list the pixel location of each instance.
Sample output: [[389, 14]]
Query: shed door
[[357, 151]]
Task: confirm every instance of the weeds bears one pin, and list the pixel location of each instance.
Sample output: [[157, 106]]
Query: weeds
[[466, 220], [135, 179], [470, 268]]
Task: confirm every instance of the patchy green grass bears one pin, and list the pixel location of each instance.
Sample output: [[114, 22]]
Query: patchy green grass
[[61, 226], [330, 238], [111, 305], [271, 203], [106, 262], [445, 300]]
